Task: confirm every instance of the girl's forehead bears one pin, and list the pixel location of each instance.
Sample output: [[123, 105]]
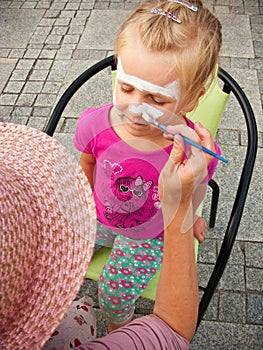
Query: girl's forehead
[[152, 76], [154, 67]]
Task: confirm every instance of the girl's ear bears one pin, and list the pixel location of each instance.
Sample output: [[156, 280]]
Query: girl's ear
[[194, 102]]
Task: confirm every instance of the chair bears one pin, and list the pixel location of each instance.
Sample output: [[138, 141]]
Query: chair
[[214, 100]]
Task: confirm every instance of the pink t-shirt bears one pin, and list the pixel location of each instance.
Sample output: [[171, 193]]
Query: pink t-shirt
[[148, 332], [126, 179]]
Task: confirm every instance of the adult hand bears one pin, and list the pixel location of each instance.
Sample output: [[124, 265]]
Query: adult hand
[[180, 182]]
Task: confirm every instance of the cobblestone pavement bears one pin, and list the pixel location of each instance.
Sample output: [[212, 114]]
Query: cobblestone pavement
[[46, 44]]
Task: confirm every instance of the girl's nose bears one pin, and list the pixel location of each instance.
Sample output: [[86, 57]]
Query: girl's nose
[[138, 97]]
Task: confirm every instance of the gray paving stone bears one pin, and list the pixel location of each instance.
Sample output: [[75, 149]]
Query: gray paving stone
[[204, 271], [42, 112], [32, 53], [39, 75], [227, 177], [76, 29], [43, 64], [6, 67], [48, 54], [16, 53], [233, 118], [29, 5], [46, 22], [207, 251], [233, 278], [54, 39], [69, 125], [66, 140], [17, 4], [62, 21], [228, 137], [230, 336], [102, 37], [4, 52], [255, 308], [65, 53], [22, 111], [58, 5], [232, 307], [254, 254], [213, 308], [234, 27], [237, 256], [45, 100], [43, 4], [19, 120], [14, 86], [254, 279], [43, 30], [33, 87], [52, 13], [51, 87], [67, 14], [8, 99], [252, 220], [15, 34], [37, 123], [59, 30], [26, 99], [5, 111], [71, 38], [25, 64], [56, 75]]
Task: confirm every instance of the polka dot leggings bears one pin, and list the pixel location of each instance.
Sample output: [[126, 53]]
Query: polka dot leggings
[[130, 267]]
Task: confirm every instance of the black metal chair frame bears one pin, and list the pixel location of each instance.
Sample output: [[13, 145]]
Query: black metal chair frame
[[230, 85]]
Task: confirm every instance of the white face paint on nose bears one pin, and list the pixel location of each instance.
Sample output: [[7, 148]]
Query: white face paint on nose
[[149, 113]]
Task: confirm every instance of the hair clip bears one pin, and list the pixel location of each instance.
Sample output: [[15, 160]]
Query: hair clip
[[166, 14], [187, 4]]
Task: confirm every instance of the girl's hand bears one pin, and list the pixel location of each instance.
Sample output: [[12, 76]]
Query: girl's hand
[[199, 229]]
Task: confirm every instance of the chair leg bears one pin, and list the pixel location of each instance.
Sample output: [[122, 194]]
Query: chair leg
[[214, 202]]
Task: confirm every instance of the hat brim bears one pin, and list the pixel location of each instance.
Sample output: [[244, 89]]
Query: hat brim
[[47, 226]]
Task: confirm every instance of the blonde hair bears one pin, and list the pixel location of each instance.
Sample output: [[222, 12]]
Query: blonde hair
[[195, 42]]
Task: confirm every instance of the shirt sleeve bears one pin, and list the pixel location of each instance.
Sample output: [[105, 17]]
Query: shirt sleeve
[[148, 332], [82, 135]]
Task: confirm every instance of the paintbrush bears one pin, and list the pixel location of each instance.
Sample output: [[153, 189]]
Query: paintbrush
[[152, 121]]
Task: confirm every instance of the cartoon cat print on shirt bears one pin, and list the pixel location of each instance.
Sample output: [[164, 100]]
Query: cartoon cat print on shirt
[[126, 202]]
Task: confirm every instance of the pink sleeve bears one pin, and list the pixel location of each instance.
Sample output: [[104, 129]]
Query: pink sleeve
[[82, 135], [148, 332], [92, 122]]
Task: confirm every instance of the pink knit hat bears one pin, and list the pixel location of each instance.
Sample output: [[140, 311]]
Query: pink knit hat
[[47, 225]]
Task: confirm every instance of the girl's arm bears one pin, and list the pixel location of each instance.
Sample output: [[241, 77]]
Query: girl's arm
[[88, 162]]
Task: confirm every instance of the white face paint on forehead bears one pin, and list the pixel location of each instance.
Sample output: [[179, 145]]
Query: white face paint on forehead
[[171, 90]]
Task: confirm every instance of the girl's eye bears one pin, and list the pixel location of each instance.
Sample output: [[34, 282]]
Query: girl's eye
[[159, 102], [126, 89]]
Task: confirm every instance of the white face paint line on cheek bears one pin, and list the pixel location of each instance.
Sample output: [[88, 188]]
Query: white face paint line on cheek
[[171, 90]]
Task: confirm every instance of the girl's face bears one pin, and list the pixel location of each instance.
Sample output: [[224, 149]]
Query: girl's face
[[147, 77]]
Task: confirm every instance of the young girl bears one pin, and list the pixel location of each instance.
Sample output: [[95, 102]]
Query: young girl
[[166, 55]]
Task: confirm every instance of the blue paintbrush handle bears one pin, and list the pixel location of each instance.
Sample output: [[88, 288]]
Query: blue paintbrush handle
[[204, 149]]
